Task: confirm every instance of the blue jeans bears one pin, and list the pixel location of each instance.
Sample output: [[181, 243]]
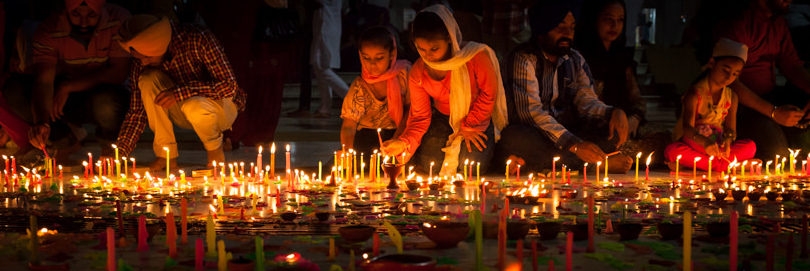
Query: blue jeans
[[430, 150]]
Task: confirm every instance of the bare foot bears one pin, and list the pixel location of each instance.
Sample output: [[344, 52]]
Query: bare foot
[[160, 164], [619, 163]]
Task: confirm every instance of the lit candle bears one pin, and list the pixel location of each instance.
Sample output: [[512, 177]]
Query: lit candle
[[768, 167], [168, 157], [288, 169], [273, 160], [742, 168], [647, 173], [694, 167], [478, 172], [554, 169], [507, 169], [60, 171], [677, 166], [259, 162], [732, 254], [110, 248], [710, 166], [687, 241], [606, 168], [118, 167], [598, 163], [517, 176], [466, 162], [89, 161], [430, 176], [379, 137], [584, 172]]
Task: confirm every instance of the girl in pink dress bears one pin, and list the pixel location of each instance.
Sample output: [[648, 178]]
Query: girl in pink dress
[[706, 129]]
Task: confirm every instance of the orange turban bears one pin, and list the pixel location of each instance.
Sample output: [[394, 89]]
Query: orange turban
[[147, 34], [95, 5]]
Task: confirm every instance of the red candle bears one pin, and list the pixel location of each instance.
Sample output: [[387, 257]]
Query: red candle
[[769, 261], [518, 174], [14, 167], [569, 250], [90, 162], [550, 264], [184, 221], [534, 255], [585, 173], [591, 248], [553, 169], [608, 226], [483, 197], [519, 253], [732, 254], [803, 253], [120, 221], [376, 245], [110, 249], [199, 255], [142, 245], [171, 235]]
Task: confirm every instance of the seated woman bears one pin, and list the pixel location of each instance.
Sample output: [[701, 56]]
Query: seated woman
[[709, 120], [378, 98], [601, 40], [464, 83]]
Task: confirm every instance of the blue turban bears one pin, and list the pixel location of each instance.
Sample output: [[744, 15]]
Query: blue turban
[[545, 15]]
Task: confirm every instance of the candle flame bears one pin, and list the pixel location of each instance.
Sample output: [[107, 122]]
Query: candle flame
[[288, 147], [697, 159], [273, 148], [649, 158], [638, 155], [260, 149], [556, 158], [679, 157]]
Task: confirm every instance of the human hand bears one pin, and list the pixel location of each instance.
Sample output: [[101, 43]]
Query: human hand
[[477, 137], [619, 163], [60, 99], [726, 148], [787, 115], [38, 135], [516, 161], [618, 125], [633, 123], [714, 150], [589, 152], [165, 99], [393, 147]]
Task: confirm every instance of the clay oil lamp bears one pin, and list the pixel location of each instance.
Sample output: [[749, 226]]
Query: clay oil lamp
[[787, 195], [753, 194], [356, 233], [719, 194], [393, 170], [400, 262], [445, 233], [738, 194], [771, 195]]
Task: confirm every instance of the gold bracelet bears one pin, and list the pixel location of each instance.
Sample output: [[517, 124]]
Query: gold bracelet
[[773, 112]]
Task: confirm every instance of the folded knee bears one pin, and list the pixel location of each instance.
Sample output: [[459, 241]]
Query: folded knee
[[198, 109], [154, 80]]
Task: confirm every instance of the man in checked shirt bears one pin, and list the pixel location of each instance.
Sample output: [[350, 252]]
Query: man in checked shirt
[[180, 76]]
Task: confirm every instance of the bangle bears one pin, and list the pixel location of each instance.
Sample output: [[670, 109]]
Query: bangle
[[576, 148], [773, 112]]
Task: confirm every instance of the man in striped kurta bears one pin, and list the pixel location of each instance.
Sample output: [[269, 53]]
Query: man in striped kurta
[[79, 71], [553, 111]]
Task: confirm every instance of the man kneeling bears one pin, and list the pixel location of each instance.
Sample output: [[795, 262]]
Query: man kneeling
[[180, 76]]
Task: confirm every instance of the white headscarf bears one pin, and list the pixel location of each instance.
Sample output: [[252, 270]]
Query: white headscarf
[[460, 88]]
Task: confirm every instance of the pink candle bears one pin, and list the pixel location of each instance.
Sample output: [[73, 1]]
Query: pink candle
[[142, 245], [569, 250], [288, 162], [14, 167], [376, 245], [184, 221], [258, 162], [198, 259], [585, 173], [110, 249], [732, 254], [90, 162], [518, 174], [553, 169]]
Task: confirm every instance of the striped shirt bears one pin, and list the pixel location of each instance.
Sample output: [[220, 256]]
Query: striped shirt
[[551, 96], [197, 64], [53, 43]]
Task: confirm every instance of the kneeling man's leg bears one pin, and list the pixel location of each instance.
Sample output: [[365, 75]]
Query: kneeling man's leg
[[209, 118], [151, 83]]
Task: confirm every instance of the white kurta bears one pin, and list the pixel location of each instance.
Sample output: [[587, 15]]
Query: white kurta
[[326, 29]]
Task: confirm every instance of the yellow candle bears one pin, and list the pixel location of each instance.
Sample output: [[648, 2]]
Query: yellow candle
[[222, 258], [167, 161], [710, 167], [210, 236], [507, 170], [331, 249], [273, 160], [687, 241], [117, 166], [478, 172], [677, 166], [606, 168], [637, 156]]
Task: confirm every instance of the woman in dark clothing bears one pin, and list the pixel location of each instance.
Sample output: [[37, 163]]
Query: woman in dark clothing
[[601, 38]]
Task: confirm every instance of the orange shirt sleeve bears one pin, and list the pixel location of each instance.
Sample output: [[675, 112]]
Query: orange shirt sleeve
[[484, 86], [419, 119]]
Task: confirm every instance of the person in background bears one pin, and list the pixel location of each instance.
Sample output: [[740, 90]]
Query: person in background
[[774, 115], [553, 109], [325, 54], [181, 76], [457, 100], [78, 78], [708, 124], [378, 99], [505, 24]]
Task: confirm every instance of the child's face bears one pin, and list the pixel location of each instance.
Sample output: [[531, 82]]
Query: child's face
[[725, 71], [375, 58]]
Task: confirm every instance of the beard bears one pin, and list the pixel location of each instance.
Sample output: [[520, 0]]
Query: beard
[[556, 47], [82, 30]]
